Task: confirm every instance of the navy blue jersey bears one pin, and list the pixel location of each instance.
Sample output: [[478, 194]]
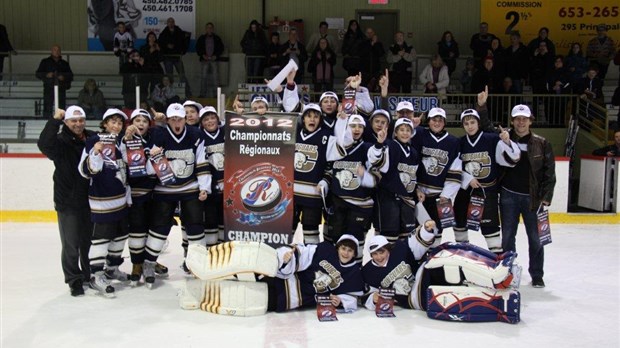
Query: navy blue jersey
[[438, 154], [400, 265], [478, 157], [310, 165], [142, 186], [325, 275], [214, 150], [398, 172], [346, 183], [107, 192], [187, 159]]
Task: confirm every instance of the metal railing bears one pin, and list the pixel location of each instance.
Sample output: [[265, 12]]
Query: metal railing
[[593, 119]]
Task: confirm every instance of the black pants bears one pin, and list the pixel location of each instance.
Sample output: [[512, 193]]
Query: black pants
[[75, 230]]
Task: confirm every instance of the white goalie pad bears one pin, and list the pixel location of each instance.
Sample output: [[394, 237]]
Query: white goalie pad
[[473, 304], [480, 268], [237, 258], [225, 297]]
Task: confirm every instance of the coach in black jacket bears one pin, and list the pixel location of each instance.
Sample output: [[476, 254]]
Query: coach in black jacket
[[62, 141]]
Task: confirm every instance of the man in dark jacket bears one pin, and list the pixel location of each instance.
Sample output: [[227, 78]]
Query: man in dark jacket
[[5, 48], [62, 141], [209, 48], [54, 70], [526, 188], [173, 44]]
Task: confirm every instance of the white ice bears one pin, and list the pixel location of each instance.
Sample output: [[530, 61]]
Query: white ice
[[580, 307]]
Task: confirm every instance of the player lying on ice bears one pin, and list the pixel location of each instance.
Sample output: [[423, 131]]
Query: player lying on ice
[[290, 277], [455, 281]]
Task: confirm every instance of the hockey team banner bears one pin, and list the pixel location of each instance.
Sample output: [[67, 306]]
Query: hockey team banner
[[259, 177], [140, 17], [568, 20], [420, 103]]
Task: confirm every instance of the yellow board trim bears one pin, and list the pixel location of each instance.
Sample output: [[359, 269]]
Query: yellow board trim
[[557, 218]]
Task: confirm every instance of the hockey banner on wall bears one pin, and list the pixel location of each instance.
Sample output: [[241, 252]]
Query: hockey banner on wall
[[258, 177], [140, 17]]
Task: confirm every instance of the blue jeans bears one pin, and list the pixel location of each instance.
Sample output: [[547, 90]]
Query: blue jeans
[[512, 206]]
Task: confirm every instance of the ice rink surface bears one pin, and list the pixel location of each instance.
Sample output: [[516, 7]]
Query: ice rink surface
[[580, 307]]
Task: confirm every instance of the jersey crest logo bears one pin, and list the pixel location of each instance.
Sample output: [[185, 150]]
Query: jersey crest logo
[[477, 164], [216, 159], [305, 157], [348, 180]]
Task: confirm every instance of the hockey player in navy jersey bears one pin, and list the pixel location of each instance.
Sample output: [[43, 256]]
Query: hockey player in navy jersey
[[439, 176], [482, 153], [352, 184], [292, 277], [311, 172], [379, 120], [329, 107], [455, 281], [183, 146], [109, 198], [397, 194], [214, 136]]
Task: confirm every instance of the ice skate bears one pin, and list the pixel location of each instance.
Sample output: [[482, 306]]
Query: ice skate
[[161, 270], [113, 273], [100, 282], [149, 273], [136, 274]]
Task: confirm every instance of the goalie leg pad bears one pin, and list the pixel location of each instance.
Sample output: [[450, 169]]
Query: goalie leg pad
[[193, 294], [473, 304], [478, 266], [232, 258], [235, 298]]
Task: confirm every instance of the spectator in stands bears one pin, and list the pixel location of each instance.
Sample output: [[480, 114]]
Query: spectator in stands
[[541, 65], [62, 141], [322, 34], [321, 66], [134, 74], [400, 57], [501, 105], [173, 42], [435, 76], [54, 70], [274, 56], [151, 53], [467, 75], [209, 48], [543, 36], [517, 63], [448, 49], [373, 59], [91, 100], [558, 82], [295, 50], [485, 77], [5, 48], [123, 43], [610, 150], [164, 94], [576, 63], [591, 86], [601, 50], [351, 48], [499, 58], [480, 44], [254, 46]]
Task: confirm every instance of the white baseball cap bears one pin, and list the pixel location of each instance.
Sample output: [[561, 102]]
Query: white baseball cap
[[311, 106], [206, 110], [175, 110], [376, 243], [356, 119], [329, 94], [260, 98], [114, 111], [404, 105], [140, 112], [193, 103], [380, 112], [521, 110], [434, 112], [74, 111], [402, 121], [351, 238], [469, 112]]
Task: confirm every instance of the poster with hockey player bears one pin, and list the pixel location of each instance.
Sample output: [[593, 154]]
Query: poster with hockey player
[[140, 18], [258, 177]]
